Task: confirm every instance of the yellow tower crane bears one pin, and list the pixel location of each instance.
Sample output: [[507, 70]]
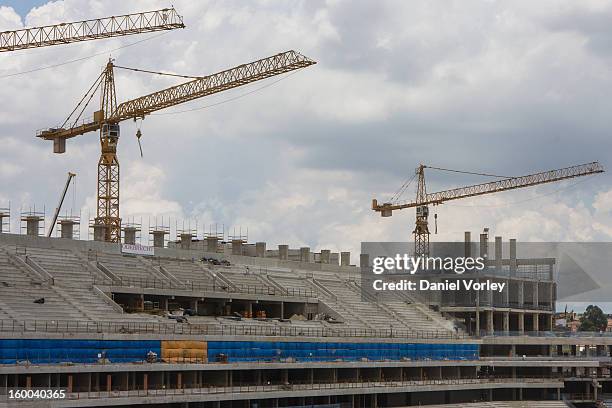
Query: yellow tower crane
[[424, 199], [115, 26], [107, 225]]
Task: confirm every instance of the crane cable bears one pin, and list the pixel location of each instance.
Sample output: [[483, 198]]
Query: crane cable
[[158, 73], [402, 189], [14, 74], [468, 172]]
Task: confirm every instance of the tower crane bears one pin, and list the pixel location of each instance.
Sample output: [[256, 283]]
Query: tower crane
[[107, 224], [424, 199], [115, 26]]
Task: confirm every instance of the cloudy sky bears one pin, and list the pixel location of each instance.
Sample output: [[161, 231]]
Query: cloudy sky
[[504, 87]]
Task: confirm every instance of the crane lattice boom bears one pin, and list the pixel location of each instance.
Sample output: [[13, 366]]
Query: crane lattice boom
[[497, 186], [424, 199], [64, 33], [197, 88]]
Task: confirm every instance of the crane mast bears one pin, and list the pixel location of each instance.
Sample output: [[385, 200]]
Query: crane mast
[[423, 199], [107, 225], [115, 26]]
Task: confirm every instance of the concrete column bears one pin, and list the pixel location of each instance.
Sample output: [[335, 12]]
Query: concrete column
[[506, 321], [490, 326], [498, 254], [364, 263], [521, 293], [521, 322], [467, 245], [236, 247], [484, 246], [260, 249], [536, 294], [325, 256], [211, 244], [158, 238], [99, 232], [67, 229], [345, 258], [536, 322], [109, 384], [477, 322], [283, 252], [304, 254], [145, 381], [129, 235], [69, 385], [186, 241], [3, 215], [32, 224], [513, 257]]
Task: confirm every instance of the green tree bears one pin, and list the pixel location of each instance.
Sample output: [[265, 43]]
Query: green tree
[[593, 319]]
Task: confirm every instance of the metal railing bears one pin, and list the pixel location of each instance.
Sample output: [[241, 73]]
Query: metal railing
[[197, 389], [82, 326], [154, 283]]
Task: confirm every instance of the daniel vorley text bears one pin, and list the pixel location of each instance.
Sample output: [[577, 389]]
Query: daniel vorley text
[[424, 284]]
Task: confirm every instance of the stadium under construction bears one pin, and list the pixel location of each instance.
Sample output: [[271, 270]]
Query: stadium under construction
[[206, 323], [212, 320]]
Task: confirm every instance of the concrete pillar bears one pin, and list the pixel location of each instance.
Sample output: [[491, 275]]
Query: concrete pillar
[[513, 257], [521, 322], [283, 252], [536, 322], [506, 321], [3, 215], [236, 247], [304, 254], [158, 238], [467, 245], [99, 232], [345, 258], [490, 326], [498, 254], [145, 381], [32, 224], [521, 293], [484, 246], [260, 249], [67, 228], [477, 322], [129, 235], [69, 385], [325, 256], [211, 244], [186, 240], [109, 384], [364, 261]]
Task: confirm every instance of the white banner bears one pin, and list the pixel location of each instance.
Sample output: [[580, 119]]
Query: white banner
[[138, 249]]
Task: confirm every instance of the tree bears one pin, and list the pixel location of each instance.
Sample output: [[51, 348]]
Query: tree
[[593, 319]]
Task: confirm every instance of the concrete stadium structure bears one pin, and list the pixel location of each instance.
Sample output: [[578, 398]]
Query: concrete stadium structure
[[276, 328]]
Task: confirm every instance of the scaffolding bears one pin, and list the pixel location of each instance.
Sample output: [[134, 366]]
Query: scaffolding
[[5, 219], [69, 226], [32, 222], [132, 231], [234, 237], [159, 230]]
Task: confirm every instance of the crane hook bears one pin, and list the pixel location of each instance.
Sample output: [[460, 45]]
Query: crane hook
[[138, 136], [436, 223]]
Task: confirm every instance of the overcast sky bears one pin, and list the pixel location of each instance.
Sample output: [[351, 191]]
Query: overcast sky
[[510, 88]]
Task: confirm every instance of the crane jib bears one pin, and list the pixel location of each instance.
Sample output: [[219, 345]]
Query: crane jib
[[510, 183], [191, 90]]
